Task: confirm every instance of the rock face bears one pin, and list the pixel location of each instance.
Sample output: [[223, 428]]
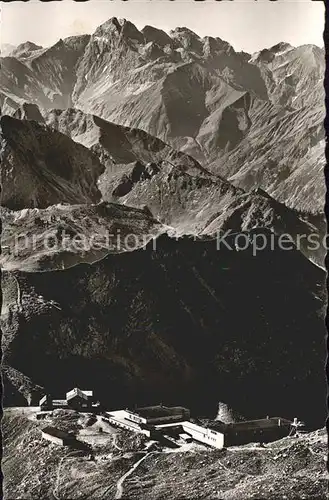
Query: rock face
[[180, 337], [207, 205], [285, 156], [225, 414], [255, 119], [29, 111]]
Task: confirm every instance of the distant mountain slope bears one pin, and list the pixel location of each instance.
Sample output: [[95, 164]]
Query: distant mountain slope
[[40, 167], [42, 76], [26, 49], [283, 154], [29, 111], [295, 71], [115, 144]]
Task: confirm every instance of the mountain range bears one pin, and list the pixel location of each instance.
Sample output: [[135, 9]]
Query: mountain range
[[42, 166], [255, 119]]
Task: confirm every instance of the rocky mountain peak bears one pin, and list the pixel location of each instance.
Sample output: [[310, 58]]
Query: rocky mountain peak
[[157, 36], [119, 27], [187, 39], [152, 51], [76, 42], [281, 47], [26, 49], [215, 46], [26, 46]]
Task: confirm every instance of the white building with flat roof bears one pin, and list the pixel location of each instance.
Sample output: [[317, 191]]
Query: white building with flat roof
[[198, 433]]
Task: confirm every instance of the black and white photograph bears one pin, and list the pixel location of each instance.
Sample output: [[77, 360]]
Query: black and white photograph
[[163, 244]]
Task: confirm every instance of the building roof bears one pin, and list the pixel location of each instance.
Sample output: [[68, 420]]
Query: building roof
[[185, 436], [88, 393], [264, 423], [53, 431], [159, 411], [216, 425], [60, 402], [175, 426], [76, 393]]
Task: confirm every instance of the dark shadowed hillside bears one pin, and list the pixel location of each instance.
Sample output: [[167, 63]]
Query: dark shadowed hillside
[[180, 337]]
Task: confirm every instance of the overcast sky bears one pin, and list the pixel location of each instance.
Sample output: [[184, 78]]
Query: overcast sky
[[248, 25]]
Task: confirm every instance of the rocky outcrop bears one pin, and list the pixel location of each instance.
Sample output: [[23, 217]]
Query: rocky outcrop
[[28, 111]]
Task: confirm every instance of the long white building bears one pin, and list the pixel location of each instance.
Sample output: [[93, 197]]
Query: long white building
[[198, 433]]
